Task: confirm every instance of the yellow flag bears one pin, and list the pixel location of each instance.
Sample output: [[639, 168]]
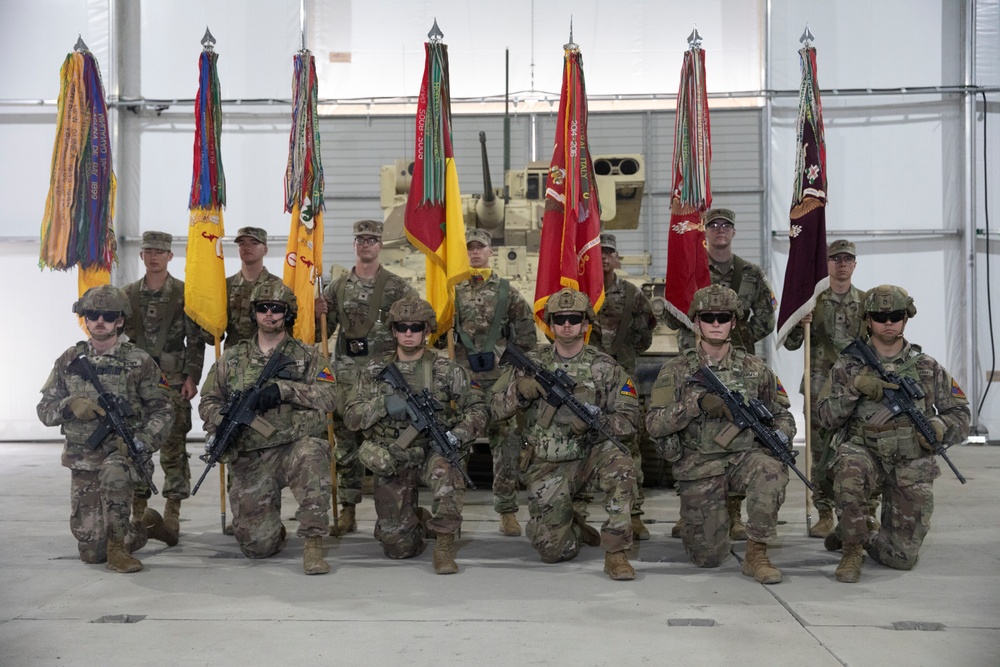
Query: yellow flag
[[303, 264], [450, 263], [205, 271]]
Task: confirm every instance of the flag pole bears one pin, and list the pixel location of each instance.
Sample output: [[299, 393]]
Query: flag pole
[[807, 388], [331, 437]]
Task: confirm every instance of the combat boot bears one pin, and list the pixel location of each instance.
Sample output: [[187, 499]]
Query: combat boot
[[677, 529], [138, 508], [756, 564], [849, 570], [824, 526], [444, 555], [312, 557], [172, 515], [639, 530], [509, 525], [737, 531], [617, 567], [119, 560], [832, 541], [588, 535], [346, 522], [156, 529]]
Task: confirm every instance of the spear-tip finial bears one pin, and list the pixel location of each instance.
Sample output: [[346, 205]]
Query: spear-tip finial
[[694, 39], [435, 35], [807, 37], [571, 45], [208, 41], [80, 44]]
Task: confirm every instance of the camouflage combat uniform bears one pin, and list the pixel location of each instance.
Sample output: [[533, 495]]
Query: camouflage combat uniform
[[288, 457], [241, 325], [562, 463], [476, 306], [870, 456], [707, 471], [178, 348], [463, 413], [103, 479], [359, 318]]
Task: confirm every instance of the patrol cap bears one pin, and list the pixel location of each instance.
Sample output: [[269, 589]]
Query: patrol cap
[[368, 228], [841, 247], [721, 214], [479, 236], [156, 241], [609, 241], [252, 232], [887, 298]]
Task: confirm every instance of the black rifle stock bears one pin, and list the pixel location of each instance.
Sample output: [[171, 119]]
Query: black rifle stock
[[420, 407], [558, 388], [901, 401], [753, 415], [116, 411], [239, 411]]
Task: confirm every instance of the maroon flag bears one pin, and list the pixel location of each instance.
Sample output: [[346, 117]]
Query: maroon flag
[[806, 273]]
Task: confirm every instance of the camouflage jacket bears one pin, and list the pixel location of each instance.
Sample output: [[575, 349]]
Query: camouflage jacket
[[125, 371], [181, 352], [600, 381], [624, 303], [308, 391], [837, 320], [476, 309], [356, 308], [463, 412], [862, 422], [675, 409], [242, 325]]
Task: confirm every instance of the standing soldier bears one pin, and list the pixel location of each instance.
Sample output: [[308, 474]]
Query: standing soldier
[[489, 311], [876, 450], [400, 461], [103, 475], [276, 451], [565, 454], [837, 320], [159, 326], [252, 244], [359, 303], [624, 329], [712, 458]]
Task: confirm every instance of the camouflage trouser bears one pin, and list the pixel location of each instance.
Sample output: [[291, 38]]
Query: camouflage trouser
[[397, 526], [101, 506], [350, 471], [822, 456], [255, 493], [584, 497], [907, 503], [173, 455], [705, 533], [552, 487], [505, 447]]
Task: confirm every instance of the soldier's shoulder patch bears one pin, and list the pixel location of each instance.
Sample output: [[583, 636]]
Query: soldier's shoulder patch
[[475, 384], [163, 384], [628, 389], [781, 387], [956, 391], [325, 375], [774, 302]]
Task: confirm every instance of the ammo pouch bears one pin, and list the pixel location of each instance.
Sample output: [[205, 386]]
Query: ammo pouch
[[356, 347], [892, 442], [481, 362]]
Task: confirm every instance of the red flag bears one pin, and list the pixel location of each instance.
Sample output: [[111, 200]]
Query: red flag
[[806, 272], [569, 254], [687, 258]]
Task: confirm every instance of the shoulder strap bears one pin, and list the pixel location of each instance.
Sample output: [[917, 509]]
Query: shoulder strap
[[496, 327], [168, 317], [738, 265], [137, 324], [624, 324]]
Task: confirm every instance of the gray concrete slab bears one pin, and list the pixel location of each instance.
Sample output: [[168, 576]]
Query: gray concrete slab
[[201, 602]]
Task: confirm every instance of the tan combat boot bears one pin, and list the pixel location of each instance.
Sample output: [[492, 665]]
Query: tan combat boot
[[312, 557], [617, 567], [118, 558], [677, 529], [346, 522], [444, 555], [737, 531], [155, 528], [172, 515], [588, 535], [849, 569], [509, 525], [824, 526], [757, 565], [639, 530], [138, 508]]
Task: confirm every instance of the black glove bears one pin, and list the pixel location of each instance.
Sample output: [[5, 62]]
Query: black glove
[[269, 398], [395, 407]]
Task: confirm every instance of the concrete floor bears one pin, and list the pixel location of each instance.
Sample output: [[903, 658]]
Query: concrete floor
[[202, 603]]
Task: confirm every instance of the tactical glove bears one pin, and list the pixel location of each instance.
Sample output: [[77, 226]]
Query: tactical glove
[[715, 408], [871, 386], [529, 389], [395, 406], [453, 440], [580, 427], [85, 409], [939, 431], [269, 398]]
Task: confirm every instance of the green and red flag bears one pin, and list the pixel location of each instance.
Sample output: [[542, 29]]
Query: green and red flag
[[806, 274], [691, 194], [304, 197], [569, 253], [78, 223], [204, 269], [433, 221]]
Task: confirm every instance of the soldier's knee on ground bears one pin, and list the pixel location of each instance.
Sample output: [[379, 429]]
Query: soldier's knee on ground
[[93, 552], [258, 544]]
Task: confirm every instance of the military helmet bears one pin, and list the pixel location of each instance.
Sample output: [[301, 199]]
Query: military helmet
[[715, 298], [413, 309], [274, 291], [104, 297], [568, 300], [887, 298]]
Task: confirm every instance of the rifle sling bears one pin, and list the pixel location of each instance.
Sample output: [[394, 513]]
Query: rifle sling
[[374, 305], [138, 320], [503, 296]]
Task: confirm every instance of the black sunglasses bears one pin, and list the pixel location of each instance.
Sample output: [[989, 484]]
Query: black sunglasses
[[712, 318], [571, 318], [892, 316], [277, 308], [107, 315], [403, 327]]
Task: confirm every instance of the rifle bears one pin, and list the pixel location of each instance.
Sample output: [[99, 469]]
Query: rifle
[[558, 386], [753, 415], [421, 408], [900, 401], [240, 411], [116, 411]]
